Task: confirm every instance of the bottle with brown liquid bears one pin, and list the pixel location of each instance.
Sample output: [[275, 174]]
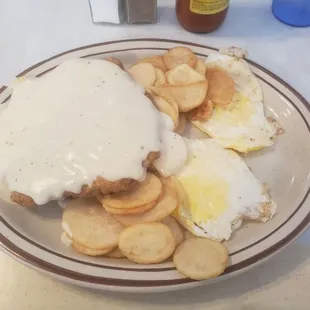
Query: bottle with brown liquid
[[201, 15]]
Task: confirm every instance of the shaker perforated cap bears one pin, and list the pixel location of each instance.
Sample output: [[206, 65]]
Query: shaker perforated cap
[[141, 11]]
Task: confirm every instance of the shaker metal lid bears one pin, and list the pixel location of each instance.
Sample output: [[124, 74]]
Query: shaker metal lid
[[141, 11]]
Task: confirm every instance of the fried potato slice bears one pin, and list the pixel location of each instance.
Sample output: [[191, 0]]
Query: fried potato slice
[[167, 202], [176, 229], [173, 182], [147, 243], [200, 258], [156, 61], [88, 251], [221, 87], [115, 61], [127, 211], [144, 193], [144, 74], [187, 97], [150, 94], [91, 225], [203, 112], [116, 253], [180, 55], [160, 77], [173, 103], [188, 235], [182, 124], [200, 67], [182, 197], [183, 74], [164, 106]]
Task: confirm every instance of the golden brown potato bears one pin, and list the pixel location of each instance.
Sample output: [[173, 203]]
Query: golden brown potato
[[127, 211], [183, 74], [200, 258], [202, 112], [156, 61], [181, 124], [160, 77], [187, 97], [165, 205], [180, 55], [144, 193], [221, 87], [200, 67], [144, 74], [86, 222], [164, 106], [147, 243]]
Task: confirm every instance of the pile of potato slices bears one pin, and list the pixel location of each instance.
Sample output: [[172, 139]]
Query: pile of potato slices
[[139, 225], [180, 85]]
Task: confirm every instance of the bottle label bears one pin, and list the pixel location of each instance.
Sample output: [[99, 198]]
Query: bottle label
[[208, 7]]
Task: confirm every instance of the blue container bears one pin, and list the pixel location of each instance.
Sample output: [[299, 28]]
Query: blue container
[[292, 12]]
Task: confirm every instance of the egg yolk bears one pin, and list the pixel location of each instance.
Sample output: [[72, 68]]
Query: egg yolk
[[207, 199], [238, 112]]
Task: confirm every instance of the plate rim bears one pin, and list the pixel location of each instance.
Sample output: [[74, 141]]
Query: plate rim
[[28, 258]]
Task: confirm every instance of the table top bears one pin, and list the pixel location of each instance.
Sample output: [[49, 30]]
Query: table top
[[33, 30]]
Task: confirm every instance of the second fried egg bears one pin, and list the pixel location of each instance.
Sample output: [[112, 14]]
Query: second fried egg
[[220, 192]]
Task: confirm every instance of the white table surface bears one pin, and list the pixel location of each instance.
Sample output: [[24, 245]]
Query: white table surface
[[32, 30]]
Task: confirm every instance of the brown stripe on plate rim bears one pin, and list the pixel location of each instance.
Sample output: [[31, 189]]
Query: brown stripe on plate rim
[[110, 43], [12, 229], [300, 97], [236, 252], [2, 89], [51, 268], [115, 51], [146, 269], [170, 268], [136, 49]]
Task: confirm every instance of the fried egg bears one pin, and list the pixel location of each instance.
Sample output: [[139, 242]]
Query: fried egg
[[220, 190], [242, 125]]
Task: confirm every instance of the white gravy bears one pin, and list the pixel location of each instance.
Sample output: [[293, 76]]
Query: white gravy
[[84, 119]]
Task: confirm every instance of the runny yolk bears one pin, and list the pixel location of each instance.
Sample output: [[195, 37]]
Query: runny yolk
[[208, 199], [238, 112]]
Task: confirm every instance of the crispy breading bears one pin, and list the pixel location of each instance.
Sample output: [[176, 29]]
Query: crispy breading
[[115, 61], [99, 186]]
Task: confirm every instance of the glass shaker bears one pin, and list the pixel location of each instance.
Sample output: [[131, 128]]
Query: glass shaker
[[292, 12]]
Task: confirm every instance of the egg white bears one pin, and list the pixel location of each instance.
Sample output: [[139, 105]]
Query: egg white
[[242, 125], [221, 191]]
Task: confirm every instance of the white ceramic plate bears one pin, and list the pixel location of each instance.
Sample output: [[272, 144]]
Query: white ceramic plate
[[32, 236]]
